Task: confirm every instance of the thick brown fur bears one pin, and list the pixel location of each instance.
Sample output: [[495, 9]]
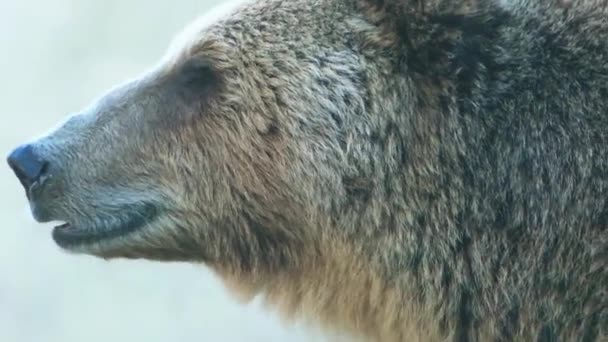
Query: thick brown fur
[[401, 170]]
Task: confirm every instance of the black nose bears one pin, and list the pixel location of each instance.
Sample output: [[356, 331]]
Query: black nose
[[28, 166]]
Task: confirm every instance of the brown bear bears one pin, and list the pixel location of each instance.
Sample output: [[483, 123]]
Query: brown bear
[[404, 170]]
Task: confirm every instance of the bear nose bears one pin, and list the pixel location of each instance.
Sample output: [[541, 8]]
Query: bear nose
[[27, 165]]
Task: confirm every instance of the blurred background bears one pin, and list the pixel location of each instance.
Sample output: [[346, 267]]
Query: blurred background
[[55, 57]]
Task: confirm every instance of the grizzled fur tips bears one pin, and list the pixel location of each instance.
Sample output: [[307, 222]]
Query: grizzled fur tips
[[401, 170]]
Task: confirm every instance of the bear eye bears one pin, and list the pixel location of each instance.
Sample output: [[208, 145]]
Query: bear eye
[[197, 77]]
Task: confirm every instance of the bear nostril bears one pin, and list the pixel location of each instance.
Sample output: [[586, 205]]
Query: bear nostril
[[27, 165]]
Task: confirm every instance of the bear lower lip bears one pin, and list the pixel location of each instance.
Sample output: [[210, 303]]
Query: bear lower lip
[[68, 235]]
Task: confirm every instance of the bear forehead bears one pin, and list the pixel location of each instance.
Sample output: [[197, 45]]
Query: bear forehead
[[251, 27], [196, 37]]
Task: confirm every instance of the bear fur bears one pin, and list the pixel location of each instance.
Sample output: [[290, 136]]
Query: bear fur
[[403, 170]]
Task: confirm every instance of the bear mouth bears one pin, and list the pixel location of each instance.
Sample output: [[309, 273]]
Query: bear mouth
[[68, 235]]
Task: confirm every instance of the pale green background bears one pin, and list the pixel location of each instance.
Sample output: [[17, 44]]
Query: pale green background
[[55, 57]]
